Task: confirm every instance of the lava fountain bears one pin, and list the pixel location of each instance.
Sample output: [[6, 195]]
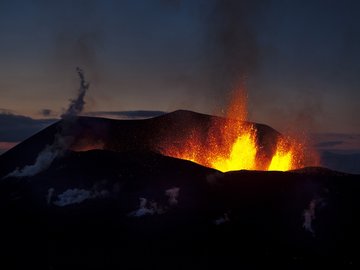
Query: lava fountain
[[233, 144]]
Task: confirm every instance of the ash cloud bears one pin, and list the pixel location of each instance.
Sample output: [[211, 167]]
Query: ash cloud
[[226, 53], [78, 36], [81, 46], [63, 138], [231, 47]]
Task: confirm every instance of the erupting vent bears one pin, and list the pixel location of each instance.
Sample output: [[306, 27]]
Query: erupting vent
[[234, 144]]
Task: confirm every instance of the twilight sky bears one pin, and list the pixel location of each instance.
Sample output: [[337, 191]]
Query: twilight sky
[[300, 60]]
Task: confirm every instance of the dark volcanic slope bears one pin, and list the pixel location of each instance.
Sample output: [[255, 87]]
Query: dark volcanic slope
[[124, 135], [260, 216], [84, 211]]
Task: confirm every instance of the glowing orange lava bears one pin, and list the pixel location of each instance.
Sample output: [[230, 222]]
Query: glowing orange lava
[[234, 144], [286, 157], [242, 154]]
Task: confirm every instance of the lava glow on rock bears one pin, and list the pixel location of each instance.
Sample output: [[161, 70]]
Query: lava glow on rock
[[234, 145]]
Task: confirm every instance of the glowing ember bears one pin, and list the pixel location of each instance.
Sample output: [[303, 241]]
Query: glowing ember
[[233, 144]]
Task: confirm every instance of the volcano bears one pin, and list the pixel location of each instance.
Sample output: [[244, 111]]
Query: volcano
[[152, 134], [114, 200]]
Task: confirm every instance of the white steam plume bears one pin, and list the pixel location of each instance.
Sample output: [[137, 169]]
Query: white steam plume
[[223, 219], [62, 139], [309, 216], [173, 194], [49, 195], [147, 208], [77, 105], [143, 209], [73, 196]]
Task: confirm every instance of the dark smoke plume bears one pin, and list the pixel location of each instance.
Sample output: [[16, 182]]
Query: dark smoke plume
[[76, 106], [62, 140], [231, 46]]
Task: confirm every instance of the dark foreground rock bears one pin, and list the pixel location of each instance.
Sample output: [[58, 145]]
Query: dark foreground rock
[[85, 212]]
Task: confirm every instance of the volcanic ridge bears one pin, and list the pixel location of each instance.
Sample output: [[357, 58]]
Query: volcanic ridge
[[114, 200]]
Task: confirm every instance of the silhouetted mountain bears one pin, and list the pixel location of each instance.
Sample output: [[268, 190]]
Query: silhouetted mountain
[[126, 135], [132, 208]]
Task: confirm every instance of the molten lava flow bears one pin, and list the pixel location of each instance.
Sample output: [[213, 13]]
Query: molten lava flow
[[233, 144]]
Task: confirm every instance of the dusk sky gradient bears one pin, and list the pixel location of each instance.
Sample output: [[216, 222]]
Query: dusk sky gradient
[[299, 60]]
